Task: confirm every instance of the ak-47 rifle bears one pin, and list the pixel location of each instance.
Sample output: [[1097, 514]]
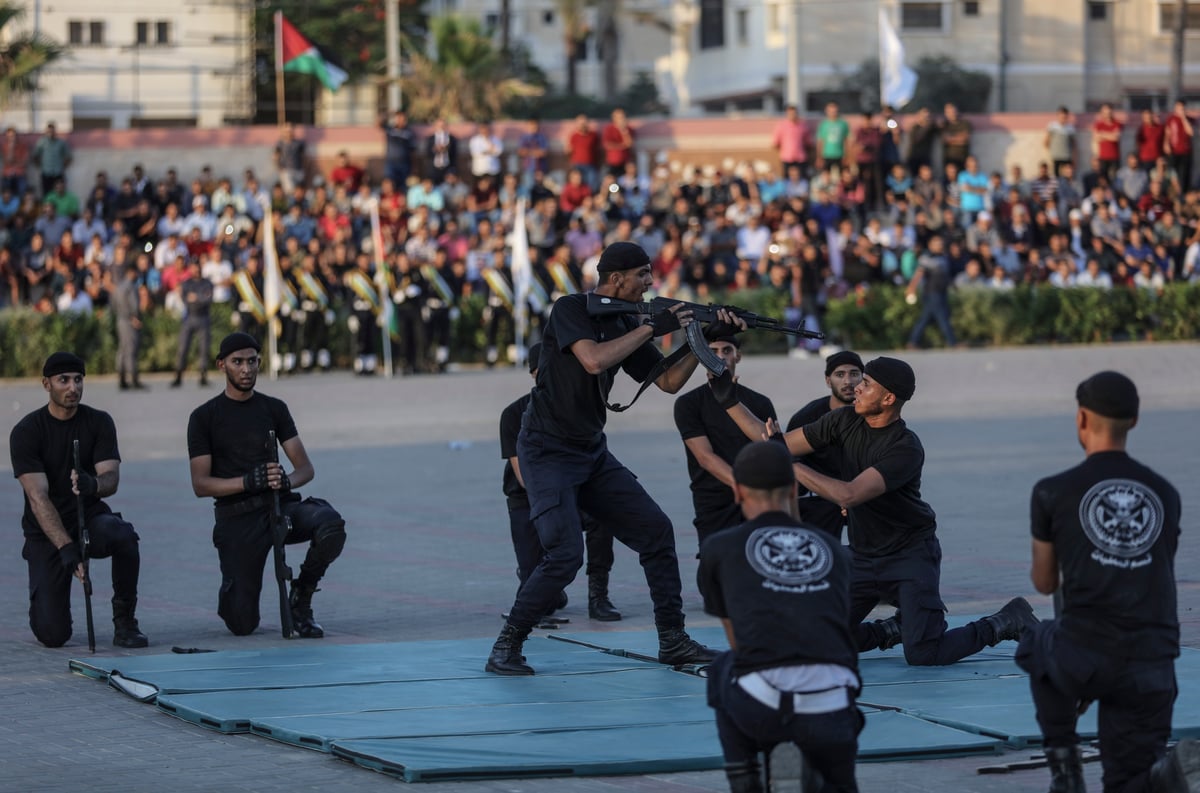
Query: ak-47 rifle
[[600, 306], [279, 531], [85, 542]]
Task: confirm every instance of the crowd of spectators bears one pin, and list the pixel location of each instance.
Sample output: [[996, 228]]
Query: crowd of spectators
[[848, 206]]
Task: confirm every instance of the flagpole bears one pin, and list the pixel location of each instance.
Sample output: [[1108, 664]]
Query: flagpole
[[280, 114], [385, 300], [272, 289]]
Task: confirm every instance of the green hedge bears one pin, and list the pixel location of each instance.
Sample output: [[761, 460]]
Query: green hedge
[[879, 319]]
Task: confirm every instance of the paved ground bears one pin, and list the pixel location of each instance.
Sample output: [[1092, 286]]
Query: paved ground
[[414, 466]]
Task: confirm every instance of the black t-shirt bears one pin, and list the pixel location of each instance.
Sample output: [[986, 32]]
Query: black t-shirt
[[828, 460], [1114, 524], [40, 443], [899, 517], [510, 428], [785, 587], [235, 434], [697, 415], [567, 402]]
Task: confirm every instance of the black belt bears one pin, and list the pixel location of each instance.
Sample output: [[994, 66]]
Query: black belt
[[252, 504]]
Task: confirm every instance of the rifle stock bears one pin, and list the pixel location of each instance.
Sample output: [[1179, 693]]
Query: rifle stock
[[279, 530], [85, 542]]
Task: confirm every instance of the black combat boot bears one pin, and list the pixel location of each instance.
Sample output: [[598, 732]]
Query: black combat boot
[[1010, 621], [676, 648], [744, 777], [506, 658], [302, 614], [178, 381], [125, 626], [1066, 769], [599, 606], [1178, 771], [889, 631]]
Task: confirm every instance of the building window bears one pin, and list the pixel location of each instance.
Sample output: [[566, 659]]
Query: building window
[[1097, 12], [774, 24], [712, 24], [971, 8], [491, 22], [153, 33], [162, 32], [547, 18], [743, 26], [922, 17], [81, 33], [1168, 13]]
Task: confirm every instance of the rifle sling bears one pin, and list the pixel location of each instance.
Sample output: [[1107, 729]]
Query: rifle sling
[[659, 368]]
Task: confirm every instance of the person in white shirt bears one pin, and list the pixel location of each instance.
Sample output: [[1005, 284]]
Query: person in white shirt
[[219, 272], [485, 148], [1094, 276]]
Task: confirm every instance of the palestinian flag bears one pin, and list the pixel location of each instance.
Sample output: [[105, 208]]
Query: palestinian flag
[[294, 53]]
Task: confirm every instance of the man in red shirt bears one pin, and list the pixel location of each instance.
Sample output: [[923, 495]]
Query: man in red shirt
[[1106, 139], [574, 192], [790, 140], [582, 147], [1150, 139], [346, 174], [618, 143], [1179, 143]]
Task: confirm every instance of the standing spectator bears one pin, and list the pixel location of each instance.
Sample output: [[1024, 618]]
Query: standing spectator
[[832, 133], [1106, 142], [127, 308], [1149, 139], [1060, 140], [52, 155], [618, 143], [921, 136], [14, 157], [442, 149], [401, 143], [790, 140], [1178, 143], [933, 272], [956, 137], [868, 139], [290, 158], [581, 148], [973, 191], [532, 148], [485, 148], [1132, 179], [197, 296]]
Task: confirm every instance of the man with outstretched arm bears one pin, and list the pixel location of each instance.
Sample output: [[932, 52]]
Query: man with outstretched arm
[[892, 531], [233, 463], [42, 450], [564, 457], [843, 373], [1107, 531]]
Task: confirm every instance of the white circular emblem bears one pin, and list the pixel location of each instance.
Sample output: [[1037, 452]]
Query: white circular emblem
[[1121, 517], [789, 555]]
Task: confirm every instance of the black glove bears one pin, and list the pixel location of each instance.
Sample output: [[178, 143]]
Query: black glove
[[716, 330], [86, 483], [664, 322], [778, 437], [69, 556], [256, 480], [724, 390], [284, 482]]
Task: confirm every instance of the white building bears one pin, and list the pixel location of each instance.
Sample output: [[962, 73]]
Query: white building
[[140, 63]]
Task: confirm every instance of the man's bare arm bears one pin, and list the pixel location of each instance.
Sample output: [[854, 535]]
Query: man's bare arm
[[864, 487], [37, 489], [302, 468], [1044, 570], [701, 448]]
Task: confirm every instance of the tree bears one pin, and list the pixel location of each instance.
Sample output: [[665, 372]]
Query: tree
[[466, 78], [575, 30], [940, 79], [23, 57]]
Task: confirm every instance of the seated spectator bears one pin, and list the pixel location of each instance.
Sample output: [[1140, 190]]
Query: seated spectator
[[65, 202], [73, 300], [1094, 275], [573, 192], [50, 224], [1149, 278], [345, 173], [972, 276], [1132, 178]]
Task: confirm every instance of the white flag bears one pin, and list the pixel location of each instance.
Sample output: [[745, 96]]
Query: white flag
[[522, 272], [897, 82], [272, 285]]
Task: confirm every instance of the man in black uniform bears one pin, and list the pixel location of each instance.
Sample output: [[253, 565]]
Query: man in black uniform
[[895, 551], [782, 591], [566, 464], [42, 450], [843, 373], [526, 544], [232, 462], [197, 295], [1111, 525], [712, 440]]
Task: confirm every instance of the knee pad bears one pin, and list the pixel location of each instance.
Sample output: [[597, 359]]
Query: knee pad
[[329, 539]]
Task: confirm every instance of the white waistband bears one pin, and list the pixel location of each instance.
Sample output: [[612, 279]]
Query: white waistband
[[816, 702]]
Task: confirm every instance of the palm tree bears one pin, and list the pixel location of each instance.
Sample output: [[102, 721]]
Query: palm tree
[[465, 78], [23, 57]]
